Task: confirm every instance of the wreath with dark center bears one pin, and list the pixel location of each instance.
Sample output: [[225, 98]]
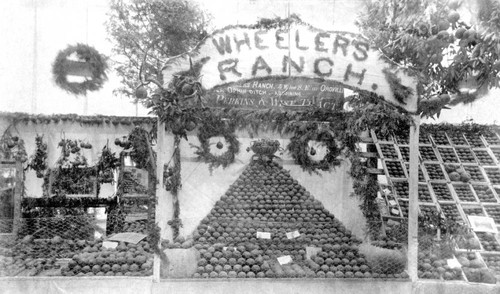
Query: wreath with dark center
[[87, 56], [300, 151], [213, 129]]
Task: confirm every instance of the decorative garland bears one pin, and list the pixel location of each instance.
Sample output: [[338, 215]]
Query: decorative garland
[[71, 176], [12, 147], [90, 57], [217, 127], [38, 161], [139, 140], [107, 163], [365, 187]]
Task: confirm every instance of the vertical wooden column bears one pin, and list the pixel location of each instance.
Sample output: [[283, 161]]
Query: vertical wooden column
[[160, 159], [18, 198], [413, 204]]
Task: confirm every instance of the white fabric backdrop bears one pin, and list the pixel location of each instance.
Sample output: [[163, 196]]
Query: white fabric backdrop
[[200, 190]]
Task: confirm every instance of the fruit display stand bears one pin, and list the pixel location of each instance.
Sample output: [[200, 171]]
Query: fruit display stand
[[133, 212], [60, 234], [90, 261]]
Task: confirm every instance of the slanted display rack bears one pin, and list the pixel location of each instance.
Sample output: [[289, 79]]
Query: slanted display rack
[[459, 176]]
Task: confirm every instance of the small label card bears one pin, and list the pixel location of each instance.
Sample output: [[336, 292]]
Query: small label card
[[284, 259], [132, 217], [393, 203], [453, 263], [311, 251], [482, 224], [263, 235], [128, 237], [292, 235], [109, 245]]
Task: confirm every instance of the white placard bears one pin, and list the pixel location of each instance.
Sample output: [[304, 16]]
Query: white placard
[[482, 224], [392, 202], [128, 237], [292, 235], [132, 217], [109, 245], [284, 259], [312, 251], [263, 235], [387, 191], [453, 263]]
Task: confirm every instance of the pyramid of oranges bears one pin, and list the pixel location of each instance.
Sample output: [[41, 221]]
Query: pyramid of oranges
[[263, 226]]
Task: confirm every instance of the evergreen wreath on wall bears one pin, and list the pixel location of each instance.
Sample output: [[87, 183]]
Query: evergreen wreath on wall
[[300, 151], [212, 128], [89, 58]]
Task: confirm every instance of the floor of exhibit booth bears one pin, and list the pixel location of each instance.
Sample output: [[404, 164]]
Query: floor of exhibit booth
[[146, 285]]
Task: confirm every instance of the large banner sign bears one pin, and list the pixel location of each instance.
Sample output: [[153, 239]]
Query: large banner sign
[[291, 67]]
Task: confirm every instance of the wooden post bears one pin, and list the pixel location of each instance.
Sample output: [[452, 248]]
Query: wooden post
[[18, 198], [160, 159], [413, 203]]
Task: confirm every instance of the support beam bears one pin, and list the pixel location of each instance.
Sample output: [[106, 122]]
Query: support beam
[[413, 204], [160, 159]]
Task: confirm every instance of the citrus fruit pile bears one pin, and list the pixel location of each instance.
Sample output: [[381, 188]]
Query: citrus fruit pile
[[126, 259], [266, 215], [431, 266]]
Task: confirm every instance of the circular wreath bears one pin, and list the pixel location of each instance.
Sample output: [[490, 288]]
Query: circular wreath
[[87, 54], [299, 149], [208, 131]]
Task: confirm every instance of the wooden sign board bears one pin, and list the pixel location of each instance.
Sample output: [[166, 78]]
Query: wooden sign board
[[233, 60], [278, 93]]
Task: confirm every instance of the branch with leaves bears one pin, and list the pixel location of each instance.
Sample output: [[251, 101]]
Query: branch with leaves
[[452, 56]]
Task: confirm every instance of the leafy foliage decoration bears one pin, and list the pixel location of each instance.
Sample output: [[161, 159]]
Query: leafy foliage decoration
[[38, 161], [400, 91], [107, 163], [12, 147], [146, 33], [419, 35]]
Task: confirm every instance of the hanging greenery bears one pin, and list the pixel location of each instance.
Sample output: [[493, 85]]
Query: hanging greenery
[[38, 161], [87, 59], [213, 128], [71, 175], [12, 147], [139, 140], [175, 185], [400, 92], [107, 163]]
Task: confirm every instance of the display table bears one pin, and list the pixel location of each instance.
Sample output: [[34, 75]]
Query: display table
[[136, 285]]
